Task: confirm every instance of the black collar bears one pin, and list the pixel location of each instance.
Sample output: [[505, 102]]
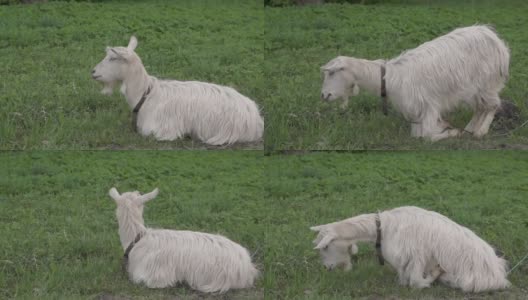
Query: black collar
[[138, 107], [142, 100], [384, 105], [378, 240], [128, 249]]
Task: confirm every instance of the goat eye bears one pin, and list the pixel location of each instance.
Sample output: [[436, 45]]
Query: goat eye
[[112, 58]]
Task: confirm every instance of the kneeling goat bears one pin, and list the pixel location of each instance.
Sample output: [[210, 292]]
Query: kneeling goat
[[161, 258], [468, 65], [421, 245]]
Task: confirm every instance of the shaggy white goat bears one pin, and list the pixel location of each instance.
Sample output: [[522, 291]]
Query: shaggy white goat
[[162, 258], [468, 65], [171, 109], [421, 245]]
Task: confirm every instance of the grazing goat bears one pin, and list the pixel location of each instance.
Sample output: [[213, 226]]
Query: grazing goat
[[468, 65], [421, 245], [161, 258], [170, 109]]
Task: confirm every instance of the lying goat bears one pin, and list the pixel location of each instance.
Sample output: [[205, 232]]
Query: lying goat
[[170, 109], [423, 246], [161, 258]]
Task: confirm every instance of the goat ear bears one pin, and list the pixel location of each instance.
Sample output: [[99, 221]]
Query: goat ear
[[332, 68], [120, 52], [114, 194], [146, 197], [132, 44], [326, 68], [325, 241], [316, 228]]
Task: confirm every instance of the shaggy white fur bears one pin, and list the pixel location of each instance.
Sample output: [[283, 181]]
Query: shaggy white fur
[[214, 114], [162, 258], [468, 65], [421, 245]]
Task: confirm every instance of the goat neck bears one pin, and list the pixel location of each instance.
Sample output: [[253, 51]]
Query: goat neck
[[361, 228], [367, 74], [135, 84], [130, 225]]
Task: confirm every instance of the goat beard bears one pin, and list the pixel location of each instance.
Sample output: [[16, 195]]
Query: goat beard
[[108, 88]]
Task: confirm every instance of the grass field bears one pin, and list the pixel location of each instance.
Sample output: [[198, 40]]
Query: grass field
[[484, 191], [60, 232], [47, 52], [298, 40], [58, 224]]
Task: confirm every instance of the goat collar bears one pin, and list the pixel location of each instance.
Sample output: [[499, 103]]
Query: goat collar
[[138, 107], [384, 105], [128, 249], [378, 239]]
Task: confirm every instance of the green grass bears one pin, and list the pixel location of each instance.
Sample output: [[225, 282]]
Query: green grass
[[298, 40], [484, 191], [60, 235], [59, 232], [58, 224], [47, 52]]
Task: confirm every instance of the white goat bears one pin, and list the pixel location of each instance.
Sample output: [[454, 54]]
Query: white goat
[[468, 65], [421, 245], [171, 109], [162, 258]]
